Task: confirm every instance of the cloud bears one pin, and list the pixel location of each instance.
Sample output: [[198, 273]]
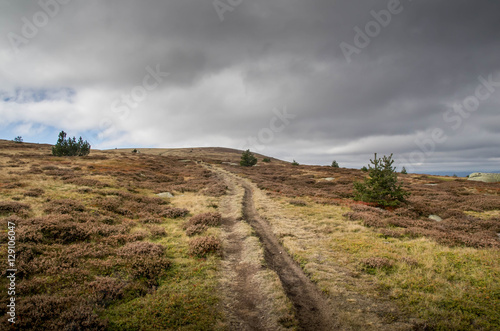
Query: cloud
[[225, 78]]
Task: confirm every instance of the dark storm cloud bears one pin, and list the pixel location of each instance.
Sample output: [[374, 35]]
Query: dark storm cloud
[[226, 77]]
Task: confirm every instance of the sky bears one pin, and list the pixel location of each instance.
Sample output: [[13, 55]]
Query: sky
[[312, 81]]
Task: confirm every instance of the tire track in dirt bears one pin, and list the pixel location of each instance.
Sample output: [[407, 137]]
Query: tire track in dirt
[[241, 297], [311, 308]]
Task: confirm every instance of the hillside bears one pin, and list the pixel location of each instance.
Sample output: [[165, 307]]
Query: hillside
[[186, 239]]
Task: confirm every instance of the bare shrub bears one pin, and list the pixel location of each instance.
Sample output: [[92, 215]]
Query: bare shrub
[[208, 219], [391, 233], [52, 229], [370, 219], [64, 206], [150, 269], [372, 263], [215, 190], [47, 312], [147, 218], [174, 212], [104, 290], [141, 248], [12, 207], [409, 261], [157, 231], [195, 229], [85, 182], [202, 246], [35, 192]]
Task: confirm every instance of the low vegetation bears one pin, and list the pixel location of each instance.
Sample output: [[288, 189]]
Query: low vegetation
[[98, 249], [94, 243]]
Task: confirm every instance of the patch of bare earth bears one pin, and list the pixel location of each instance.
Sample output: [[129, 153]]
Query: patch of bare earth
[[253, 297]]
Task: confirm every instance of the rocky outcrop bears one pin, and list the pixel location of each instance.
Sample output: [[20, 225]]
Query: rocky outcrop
[[485, 177]]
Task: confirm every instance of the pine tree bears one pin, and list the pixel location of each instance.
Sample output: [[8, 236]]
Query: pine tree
[[70, 147], [382, 186], [247, 159], [335, 164]]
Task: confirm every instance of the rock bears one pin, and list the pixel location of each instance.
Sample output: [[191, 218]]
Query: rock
[[485, 177], [435, 218], [329, 179], [431, 184], [165, 195]]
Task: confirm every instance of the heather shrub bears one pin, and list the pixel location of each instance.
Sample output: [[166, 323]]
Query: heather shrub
[[195, 229], [52, 229], [147, 218], [85, 182], [64, 206], [143, 248], [7, 207], [174, 212], [202, 246], [215, 190], [53, 312], [297, 202], [370, 265], [104, 290], [208, 219], [157, 231], [35, 192], [150, 269]]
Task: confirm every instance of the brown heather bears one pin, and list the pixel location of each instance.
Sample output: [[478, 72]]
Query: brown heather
[[195, 229], [141, 248], [208, 219], [202, 246]]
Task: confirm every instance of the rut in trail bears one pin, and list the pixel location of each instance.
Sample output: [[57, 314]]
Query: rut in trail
[[312, 310]]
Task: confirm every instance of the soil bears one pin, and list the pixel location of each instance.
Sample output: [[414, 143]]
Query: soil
[[312, 310]]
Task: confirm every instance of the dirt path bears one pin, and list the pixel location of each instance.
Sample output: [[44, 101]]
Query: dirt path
[[241, 298], [312, 310]]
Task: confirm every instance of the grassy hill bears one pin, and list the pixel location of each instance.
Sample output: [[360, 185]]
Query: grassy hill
[[99, 244]]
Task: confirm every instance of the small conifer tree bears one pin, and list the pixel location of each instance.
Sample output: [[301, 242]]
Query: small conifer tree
[[335, 164], [403, 171], [247, 159], [70, 147], [18, 139], [295, 163], [382, 186]]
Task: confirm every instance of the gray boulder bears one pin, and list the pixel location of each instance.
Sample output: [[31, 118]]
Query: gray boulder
[[485, 177]]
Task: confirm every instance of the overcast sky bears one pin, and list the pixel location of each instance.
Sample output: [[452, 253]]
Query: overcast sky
[[313, 80]]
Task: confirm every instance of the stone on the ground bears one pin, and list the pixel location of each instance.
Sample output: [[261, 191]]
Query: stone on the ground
[[485, 177], [435, 218], [165, 195], [329, 179]]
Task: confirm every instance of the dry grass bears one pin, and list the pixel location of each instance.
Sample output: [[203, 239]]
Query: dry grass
[[90, 231], [93, 240], [456, 284]]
